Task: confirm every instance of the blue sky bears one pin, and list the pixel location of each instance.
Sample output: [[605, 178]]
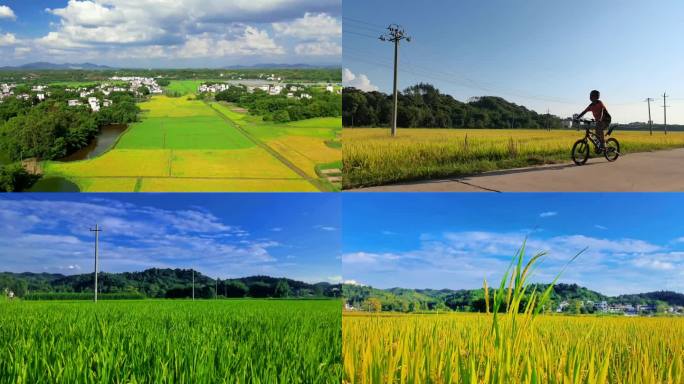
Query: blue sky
[[635, 241], [542, 54], [178, 33], [224, 235]]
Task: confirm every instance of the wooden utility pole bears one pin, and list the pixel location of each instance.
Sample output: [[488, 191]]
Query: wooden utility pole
[[650, 122], [97, 231], [394, 35], [665, 110]]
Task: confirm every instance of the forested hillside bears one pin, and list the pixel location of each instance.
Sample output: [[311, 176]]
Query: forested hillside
[[411, 300], [424, 106], [161, 283]]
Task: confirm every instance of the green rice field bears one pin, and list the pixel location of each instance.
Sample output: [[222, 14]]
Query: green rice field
[[171, 341], [184, 87], [184, 145]]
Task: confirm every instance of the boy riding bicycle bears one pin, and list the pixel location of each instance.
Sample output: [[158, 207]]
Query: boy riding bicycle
[[601, 115]]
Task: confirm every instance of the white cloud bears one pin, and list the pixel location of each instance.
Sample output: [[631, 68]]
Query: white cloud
[[359, 81], [7, 39], [318, 48], [21, 51], [7, 13], [464, 259], [650, 263], [190, 29], [548, 214], [251, 42], [276, 229], [311, 26], [601, 227], [337, 279], [325, 228], [321, 34], [55, 233]]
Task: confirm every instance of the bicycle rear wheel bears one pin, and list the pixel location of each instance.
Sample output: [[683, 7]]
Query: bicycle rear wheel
[[580, 152], [612, 151]]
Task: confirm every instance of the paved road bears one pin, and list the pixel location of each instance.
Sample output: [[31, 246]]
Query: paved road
[[660, 171]]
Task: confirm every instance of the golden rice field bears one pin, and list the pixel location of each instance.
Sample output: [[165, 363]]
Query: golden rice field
[[372, 157], [185, 145], [460, 348]]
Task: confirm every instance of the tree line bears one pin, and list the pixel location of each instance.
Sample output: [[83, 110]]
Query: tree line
[[473, 300], [424, 106], [280, 108], [158, 283]]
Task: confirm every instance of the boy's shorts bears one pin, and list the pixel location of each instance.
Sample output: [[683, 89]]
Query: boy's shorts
[[602, 125]]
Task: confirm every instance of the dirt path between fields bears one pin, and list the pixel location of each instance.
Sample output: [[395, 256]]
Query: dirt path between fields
[[316, 183]]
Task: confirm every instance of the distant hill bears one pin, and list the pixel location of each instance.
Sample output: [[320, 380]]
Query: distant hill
[[473, 299], [281, 66], [424, 106], [169, 283], [42, 65]]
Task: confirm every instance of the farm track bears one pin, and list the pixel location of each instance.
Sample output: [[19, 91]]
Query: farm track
[[188, 178], [316, 183], [657, 171]]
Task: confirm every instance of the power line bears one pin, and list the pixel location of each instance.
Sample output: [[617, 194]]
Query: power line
[[347, 26], [359, 21], [395, 34], [468, 83], [360, 34], [464, 82]]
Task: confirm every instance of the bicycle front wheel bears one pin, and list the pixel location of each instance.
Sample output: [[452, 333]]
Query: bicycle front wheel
[[612, 151], [580, 152]]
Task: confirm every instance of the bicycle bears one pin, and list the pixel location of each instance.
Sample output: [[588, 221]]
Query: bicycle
[[581, 149]]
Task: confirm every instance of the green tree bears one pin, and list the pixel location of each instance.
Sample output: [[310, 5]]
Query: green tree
[[282, 289], [14, 178], [235, 288], [373, 304], [260, 290]]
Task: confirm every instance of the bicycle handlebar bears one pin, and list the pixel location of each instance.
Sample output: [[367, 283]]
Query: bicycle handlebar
[[585, 121]]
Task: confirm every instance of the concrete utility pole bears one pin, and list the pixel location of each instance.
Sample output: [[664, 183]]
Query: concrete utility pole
[[650, 122], [665, 110], [548, 119], [97, 231], [394, 35]]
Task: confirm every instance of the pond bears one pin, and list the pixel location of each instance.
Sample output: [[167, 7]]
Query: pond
[[54, 184], [99, 145]]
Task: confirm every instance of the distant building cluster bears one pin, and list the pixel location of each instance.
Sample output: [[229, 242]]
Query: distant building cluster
[[95, 104], [7, 90], [137, 82], [293, 91], [619, 308], [91, 96]]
